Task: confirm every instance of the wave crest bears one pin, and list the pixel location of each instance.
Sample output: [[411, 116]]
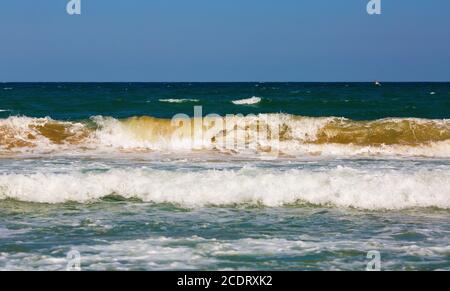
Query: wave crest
[[294, 135], [40, 133]]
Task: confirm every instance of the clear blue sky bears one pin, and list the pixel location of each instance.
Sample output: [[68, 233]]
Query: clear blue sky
[[224, 40]]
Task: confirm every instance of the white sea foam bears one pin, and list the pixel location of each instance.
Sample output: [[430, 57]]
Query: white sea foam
[[248, 101], [6, 233], [172, 100], [341, 187], [4, 110], [194, 252]]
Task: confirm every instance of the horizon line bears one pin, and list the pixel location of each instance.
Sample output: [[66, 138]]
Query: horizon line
[[224, 82]]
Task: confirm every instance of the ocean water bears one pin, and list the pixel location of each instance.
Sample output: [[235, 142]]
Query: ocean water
[[346, 168]]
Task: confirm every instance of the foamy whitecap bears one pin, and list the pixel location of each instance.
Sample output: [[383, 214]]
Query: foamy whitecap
[[248, 101], [178, 100], [341, 187]]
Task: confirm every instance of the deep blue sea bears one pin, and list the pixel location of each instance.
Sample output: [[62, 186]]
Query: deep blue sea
[[359, 101], [283, 176]]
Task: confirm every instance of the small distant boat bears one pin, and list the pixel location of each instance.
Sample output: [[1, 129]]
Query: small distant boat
[[377, 83]]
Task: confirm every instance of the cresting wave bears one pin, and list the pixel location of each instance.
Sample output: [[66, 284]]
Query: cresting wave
[[341, 187], [292, 135], [248, 101]]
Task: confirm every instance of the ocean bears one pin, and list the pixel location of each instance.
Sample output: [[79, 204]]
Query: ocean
[[284, 176]]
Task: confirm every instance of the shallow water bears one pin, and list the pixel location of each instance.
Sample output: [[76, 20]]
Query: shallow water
[[208, 226], [116, 235]]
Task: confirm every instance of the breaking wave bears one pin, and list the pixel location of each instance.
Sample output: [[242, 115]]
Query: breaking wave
[[248, 101], [341, 187], [289, 134]]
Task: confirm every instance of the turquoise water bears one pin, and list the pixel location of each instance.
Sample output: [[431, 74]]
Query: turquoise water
[[361, 101], [127, 203]]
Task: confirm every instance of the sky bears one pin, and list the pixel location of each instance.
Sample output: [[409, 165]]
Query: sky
[[224, 40]]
